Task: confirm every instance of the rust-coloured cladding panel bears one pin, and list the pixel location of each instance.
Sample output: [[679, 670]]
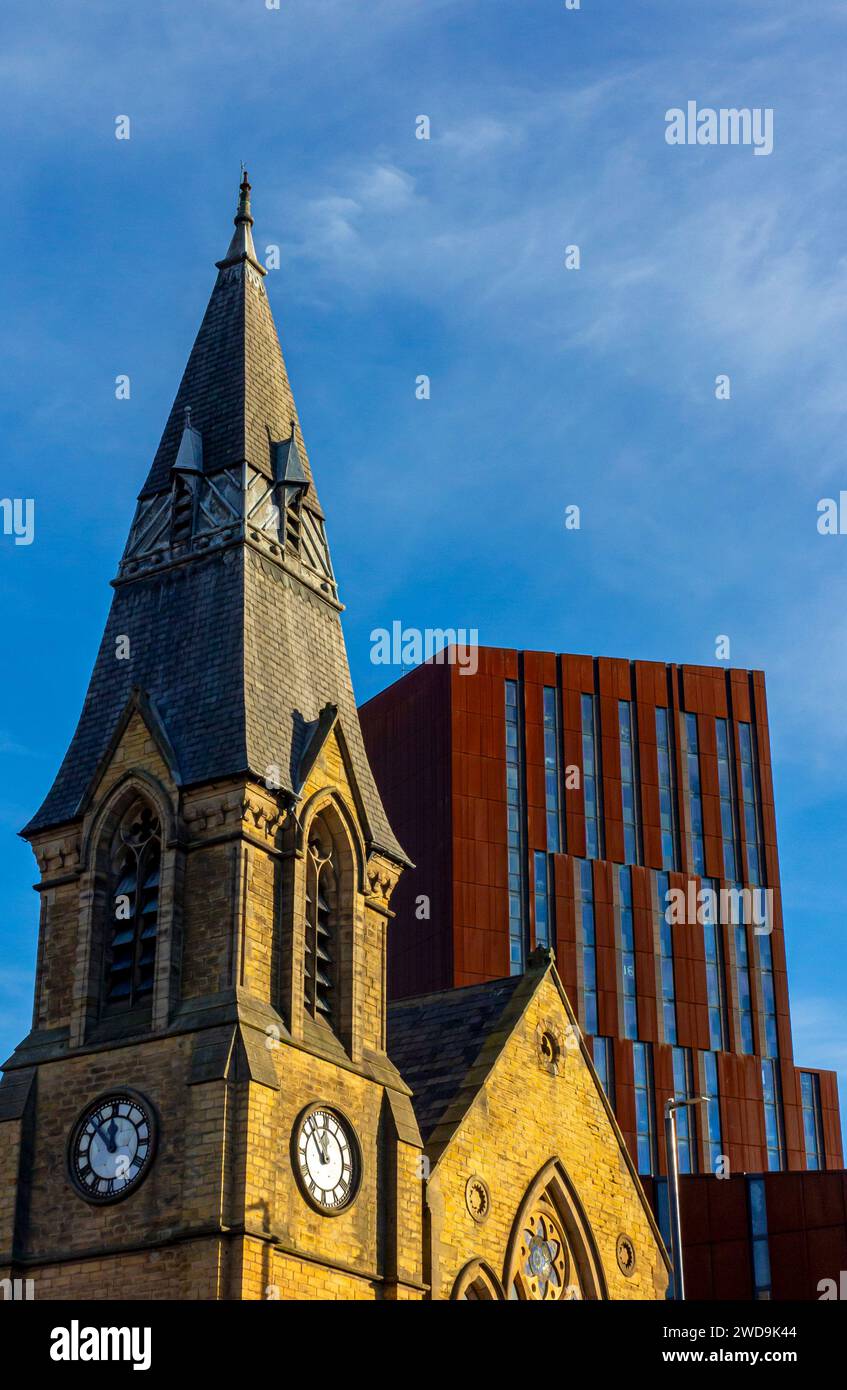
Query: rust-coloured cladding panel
[[739, 694], [565, 920], [645, 966], [606, 955], [715, 1236], [831, 1118], [742, 1113], [824, 1233], [413, 775], [732, 1270], [478, 770], [753, 1114]]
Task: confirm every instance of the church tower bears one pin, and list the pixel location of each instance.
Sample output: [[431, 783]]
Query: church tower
[[204, 1107]]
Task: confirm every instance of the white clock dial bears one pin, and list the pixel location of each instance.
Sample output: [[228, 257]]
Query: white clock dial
[[112, 1146], [327, 1158]]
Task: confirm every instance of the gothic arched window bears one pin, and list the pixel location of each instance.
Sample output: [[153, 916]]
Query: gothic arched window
[[133, 907], [552, 1254], [477, 1283], [321, 908]]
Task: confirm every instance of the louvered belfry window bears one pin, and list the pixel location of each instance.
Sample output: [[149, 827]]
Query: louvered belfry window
[[321, 899], [133, 909]]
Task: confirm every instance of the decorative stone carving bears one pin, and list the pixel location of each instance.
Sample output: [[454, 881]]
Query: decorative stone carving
[[477, 1198], [232, 809], [58, 856], [382, 881], [625, 1251]]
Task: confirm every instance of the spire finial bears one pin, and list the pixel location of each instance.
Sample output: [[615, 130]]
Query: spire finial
[[241, 247], [243, 214]]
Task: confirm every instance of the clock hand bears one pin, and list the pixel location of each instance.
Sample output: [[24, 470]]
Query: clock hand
[[112, 1131]]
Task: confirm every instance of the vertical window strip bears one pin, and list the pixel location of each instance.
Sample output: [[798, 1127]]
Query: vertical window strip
[[726, 786], [626, 930], [552, 768], [585, 913], [759, 1245], [629, 783], [764, 950], [666, 970], [604, 1065], [773, 1118], [542, 899], [712, 1110], [810, 1093], [695, 797], [715, 972], [663, 1220], [745, 997], [591, 778], [751, 802], [514, 833], [683, 1089], [668, 823], [645, 1107]]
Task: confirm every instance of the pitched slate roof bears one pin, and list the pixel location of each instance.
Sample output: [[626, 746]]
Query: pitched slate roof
[[235, 655], [435, 1040]]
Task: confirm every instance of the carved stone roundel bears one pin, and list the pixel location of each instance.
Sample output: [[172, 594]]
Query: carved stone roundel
[[477, 1198], [625, 1252]]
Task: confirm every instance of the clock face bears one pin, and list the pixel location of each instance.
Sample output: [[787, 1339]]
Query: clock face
[[326, 1156], [112, 1146]]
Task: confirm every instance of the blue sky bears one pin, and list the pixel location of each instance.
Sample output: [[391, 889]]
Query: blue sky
[[445, 257]]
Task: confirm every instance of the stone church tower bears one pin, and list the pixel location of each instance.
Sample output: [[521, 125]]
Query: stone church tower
[[216, 869], [205, 1107]]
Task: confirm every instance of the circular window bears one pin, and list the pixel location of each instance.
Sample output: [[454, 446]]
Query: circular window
[[544, 1261]]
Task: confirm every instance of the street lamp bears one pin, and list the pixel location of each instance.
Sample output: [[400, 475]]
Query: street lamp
[[671, 1107]]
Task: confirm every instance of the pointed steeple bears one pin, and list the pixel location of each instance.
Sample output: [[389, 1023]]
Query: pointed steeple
[[235, 381], [226, 593]]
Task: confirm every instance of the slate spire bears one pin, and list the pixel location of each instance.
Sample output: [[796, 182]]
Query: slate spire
[[226, 598], [235, 381]]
